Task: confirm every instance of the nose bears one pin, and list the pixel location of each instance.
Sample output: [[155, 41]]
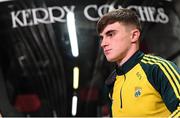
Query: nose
[[103, 42]]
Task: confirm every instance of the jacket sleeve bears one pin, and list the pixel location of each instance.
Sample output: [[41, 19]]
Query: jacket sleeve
[[168, 85]]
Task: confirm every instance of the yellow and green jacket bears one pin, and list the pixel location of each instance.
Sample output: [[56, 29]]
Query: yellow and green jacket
[[145, 85]]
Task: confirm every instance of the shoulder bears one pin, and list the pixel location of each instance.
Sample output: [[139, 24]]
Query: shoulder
[[161, 72], [156, 62]]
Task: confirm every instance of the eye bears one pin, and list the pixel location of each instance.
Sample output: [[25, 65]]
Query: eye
[[110, 33]]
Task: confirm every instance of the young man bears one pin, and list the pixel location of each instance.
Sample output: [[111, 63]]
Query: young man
[[141, 85]]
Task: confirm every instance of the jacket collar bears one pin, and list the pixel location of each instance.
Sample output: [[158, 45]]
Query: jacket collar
[[122, 70], [130, 63]]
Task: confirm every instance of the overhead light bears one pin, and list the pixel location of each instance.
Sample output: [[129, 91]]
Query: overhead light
[[75, 77], [5, 0], [74, 105], [72, 33]]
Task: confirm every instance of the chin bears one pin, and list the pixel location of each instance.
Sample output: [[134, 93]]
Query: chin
[[110, 59]]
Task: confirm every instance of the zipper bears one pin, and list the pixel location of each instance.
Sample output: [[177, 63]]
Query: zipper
[[121, 102], [121, 98]]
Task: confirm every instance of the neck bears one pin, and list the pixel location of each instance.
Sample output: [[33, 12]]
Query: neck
[[126, 56]]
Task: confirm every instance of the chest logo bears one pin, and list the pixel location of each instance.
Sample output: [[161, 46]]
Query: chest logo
[[139, 76], [138, 91]]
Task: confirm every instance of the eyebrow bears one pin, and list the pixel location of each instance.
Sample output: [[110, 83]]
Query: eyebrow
[[108, 32]]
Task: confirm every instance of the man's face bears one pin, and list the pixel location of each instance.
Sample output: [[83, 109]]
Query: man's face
[[115, 41]]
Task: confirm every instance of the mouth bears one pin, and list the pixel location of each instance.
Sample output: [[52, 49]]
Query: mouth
[[107, 51]]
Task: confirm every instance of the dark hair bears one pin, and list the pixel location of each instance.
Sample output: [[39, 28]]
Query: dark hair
[[123, 15]]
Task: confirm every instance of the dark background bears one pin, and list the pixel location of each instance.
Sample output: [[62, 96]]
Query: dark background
[[36, 63]]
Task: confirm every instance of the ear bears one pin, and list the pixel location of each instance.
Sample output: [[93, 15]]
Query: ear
[[135, 34]]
